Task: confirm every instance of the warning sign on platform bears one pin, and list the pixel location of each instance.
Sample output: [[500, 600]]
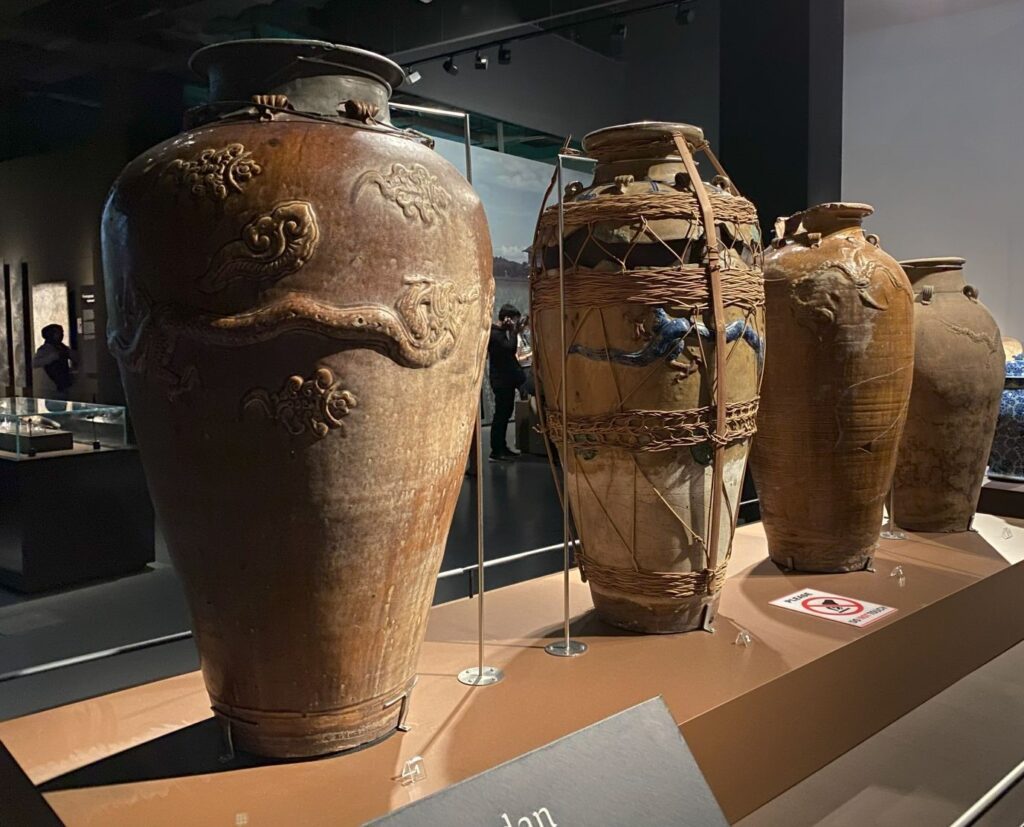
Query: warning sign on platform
[[834, 607]]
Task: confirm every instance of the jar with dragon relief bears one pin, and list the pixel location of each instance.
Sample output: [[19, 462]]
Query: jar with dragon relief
[[835, 391], [663, 350], [293, 283]]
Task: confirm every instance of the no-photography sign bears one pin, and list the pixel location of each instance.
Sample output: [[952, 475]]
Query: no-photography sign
[[835, 607]]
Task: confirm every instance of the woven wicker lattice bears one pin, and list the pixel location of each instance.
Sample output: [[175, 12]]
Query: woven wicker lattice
[[656, 430], [672, 584], [684, 286], [652, 206], [684, 252]]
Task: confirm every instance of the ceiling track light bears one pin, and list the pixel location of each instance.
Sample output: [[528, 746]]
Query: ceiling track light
[[449, 65], [480, 62], [412, 76], [617, 41], [685, 14], [504, 54]]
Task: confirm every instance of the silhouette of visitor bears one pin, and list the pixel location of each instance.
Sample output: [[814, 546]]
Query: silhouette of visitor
[[56, 359], [506, 376]]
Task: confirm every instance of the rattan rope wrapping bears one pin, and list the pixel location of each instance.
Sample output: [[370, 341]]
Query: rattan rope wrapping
[[650, 431], [684, 285], [626, 207], [664, 584], [706, 287]]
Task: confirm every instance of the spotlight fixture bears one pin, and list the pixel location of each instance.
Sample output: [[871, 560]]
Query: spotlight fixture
[[412, 76], [685, 14], [480, 62], [504, 54], [617, 40], [449, 65]]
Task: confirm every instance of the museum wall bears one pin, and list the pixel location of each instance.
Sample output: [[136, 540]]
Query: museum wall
[[668, 72], [932, 133], [52, 202], [49, 218], [551, 85], [672, 70]]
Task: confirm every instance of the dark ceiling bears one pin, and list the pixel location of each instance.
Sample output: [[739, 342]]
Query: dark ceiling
[[70, 67]]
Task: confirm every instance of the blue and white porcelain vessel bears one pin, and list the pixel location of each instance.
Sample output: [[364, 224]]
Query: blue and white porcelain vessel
[[1007, 459]]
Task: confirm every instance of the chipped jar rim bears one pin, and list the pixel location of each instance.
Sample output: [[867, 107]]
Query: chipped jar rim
[[834, 209]]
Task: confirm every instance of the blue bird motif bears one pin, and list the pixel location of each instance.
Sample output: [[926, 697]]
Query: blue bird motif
[[668, 340]]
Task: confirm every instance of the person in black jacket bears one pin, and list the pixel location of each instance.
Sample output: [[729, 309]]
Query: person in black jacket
[[506, 376], [56, 359]]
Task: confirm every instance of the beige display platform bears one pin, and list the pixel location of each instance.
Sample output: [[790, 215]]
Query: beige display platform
[[758, 718]]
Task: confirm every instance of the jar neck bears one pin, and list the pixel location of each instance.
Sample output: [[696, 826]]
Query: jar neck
[[827, 225], [656, 169], [314, 76], [833, 218], [319, 94], [942, 279]]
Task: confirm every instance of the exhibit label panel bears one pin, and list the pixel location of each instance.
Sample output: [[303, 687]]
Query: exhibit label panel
[[631, 768]]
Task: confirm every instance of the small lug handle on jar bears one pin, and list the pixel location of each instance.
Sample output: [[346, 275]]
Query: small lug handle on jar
[[723, 182], [971, 292], [927, 292], [623, 181], [273, 101], [872, 238], [362, 111], [572, 190]]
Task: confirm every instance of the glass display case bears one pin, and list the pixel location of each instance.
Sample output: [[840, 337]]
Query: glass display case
[[32, 427]]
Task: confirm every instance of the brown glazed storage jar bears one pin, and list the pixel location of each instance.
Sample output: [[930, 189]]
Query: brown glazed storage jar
[[954, 404], [835, 391], [294, 285], [642, 366]]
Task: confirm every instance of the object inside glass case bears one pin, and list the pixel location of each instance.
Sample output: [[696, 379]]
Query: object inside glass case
[[29, 427]]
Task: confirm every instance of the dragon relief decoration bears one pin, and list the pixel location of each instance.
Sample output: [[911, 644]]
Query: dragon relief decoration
[[422, 328], [141, 346], [667, 341], [271, 246], [412, 187], [216, 173], [818, 297], [317, 404]]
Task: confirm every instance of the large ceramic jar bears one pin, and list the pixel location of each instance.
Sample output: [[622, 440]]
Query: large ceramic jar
[[294, 286], [1007, 459], [836, 385], [958, 379], [654, 474]]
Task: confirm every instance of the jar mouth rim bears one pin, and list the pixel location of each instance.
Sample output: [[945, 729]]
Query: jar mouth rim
[[358, 61], [608, 139], [836, 209], [935, 263]]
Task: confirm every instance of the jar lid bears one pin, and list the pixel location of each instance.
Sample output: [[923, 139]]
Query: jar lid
[[281, 54], [641, 139], [939, 263]]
